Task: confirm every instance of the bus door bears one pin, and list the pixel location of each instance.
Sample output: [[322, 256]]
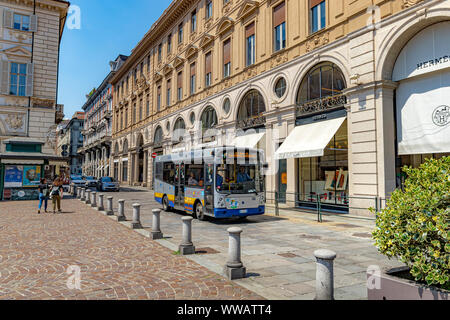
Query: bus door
[[181, 184], [209, 188]]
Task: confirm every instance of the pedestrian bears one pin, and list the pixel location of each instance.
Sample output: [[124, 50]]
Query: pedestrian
[[56, 194], [44, 193]]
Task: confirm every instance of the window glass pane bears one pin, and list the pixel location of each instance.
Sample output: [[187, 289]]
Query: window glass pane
[[17, 21], [21, 91], [23, 68], [314, 17], [322, 15], [283, 35], [277, 38], [22, 80], [327, 81], [314, 85], [13, 89], [14, 67]]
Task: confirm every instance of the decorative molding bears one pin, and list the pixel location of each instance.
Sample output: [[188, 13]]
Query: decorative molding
[[247, 8], [42, 103], [191, 51], [322, 105], [178, 61], [206, 40], [225, 24], [409, 3], [279, 58], [318, 41]]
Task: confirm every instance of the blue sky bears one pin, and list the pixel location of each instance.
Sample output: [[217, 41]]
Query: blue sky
[[108, 28]]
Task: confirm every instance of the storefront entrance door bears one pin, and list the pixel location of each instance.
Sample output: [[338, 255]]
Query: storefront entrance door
[[282, 180]]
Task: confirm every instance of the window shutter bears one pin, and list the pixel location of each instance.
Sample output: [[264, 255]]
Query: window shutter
[[4, 85], [193, 69], [250, 30], [33, 23], [313, 3], [227, 52], [180, 80], [7, 18], [30, 71], [279, 14], [208, 67]]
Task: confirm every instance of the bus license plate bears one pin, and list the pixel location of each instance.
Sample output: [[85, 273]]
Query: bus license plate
[[243, 211]]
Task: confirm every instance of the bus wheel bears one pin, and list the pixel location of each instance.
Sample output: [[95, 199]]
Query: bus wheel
[[166, 204], [199, 212]]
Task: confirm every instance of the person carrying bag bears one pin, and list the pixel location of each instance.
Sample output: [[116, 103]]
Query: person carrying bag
[[56, 195]]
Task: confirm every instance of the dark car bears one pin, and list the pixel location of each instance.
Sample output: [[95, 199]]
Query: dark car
[[108, 184], [91, 182]]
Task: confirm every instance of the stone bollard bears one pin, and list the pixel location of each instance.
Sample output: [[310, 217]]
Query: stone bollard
[[121, 212], [109, 206], [71, 189], [83, 194], [100, 206], [156, 225], [77, 193], [136, 223], [187, 247], [234, 269], [88, 197], [93, 199], [324, 274]]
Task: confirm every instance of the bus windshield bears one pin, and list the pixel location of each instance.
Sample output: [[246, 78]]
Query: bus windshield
[[239, 178]]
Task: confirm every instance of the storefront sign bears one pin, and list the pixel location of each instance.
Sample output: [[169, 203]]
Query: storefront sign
[[13, 176], [423, 114], [428, 51]]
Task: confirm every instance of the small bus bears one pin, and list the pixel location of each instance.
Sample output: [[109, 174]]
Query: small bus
[[222, 182]]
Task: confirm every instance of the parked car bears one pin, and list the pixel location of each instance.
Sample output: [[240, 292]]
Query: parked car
[[90, 182], [108, 184], [78, 181]]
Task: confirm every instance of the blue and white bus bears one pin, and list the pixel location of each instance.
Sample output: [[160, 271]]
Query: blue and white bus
[[221, 182]]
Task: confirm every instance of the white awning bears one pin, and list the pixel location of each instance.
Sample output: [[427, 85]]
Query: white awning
[[309, 140], [248, 140]]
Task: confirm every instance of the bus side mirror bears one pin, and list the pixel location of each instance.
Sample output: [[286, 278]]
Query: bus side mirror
[[265, 166]]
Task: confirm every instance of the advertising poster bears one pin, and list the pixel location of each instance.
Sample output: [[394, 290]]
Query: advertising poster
[[31, 176], [13, 176]]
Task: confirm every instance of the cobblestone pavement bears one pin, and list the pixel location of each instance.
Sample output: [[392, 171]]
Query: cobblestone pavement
[[277, 251], [115, 262]]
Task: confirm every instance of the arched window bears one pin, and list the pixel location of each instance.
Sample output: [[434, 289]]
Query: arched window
[[209, 121], [179, 130], [158, 135], [323, 81], [125, 147], [251, 110]]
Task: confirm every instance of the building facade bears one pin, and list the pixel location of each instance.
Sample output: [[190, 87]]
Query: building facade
[[30, 34], [70, 140], [97, 131], [335, 92]]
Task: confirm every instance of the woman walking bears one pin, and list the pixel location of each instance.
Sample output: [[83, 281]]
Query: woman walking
[[44, 193], [56, 193]]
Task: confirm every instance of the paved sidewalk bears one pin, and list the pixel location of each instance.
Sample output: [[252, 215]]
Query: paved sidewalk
[[277, 251], [115, 262]]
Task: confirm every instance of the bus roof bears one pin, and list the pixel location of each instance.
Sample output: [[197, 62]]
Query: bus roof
[[205, 154]]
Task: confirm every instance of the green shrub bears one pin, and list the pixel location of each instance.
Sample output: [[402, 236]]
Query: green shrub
[[414, 227]]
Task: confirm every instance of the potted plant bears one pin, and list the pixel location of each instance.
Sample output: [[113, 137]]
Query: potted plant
[[414, 228]]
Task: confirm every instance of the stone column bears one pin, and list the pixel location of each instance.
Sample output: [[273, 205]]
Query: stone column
[[187, 247], [324, 274], [100, 202], [136, 224], [121, 212], [88, 196], [156, 225], [93, 199], [234, 269], [109, 208]]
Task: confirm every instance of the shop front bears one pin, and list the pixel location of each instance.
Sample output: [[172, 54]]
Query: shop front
[[319, 143], [422, 72]]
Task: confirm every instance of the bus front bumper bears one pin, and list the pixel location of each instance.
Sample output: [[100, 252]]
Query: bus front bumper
[[230, 213]]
